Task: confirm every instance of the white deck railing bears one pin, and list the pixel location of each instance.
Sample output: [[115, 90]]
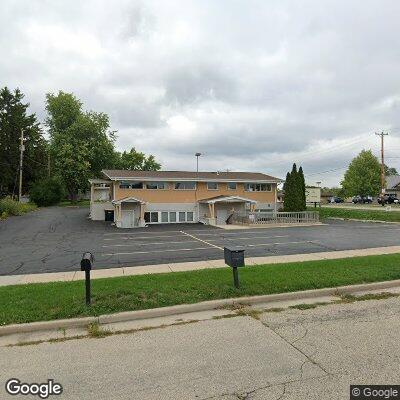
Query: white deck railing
[[261, 218]]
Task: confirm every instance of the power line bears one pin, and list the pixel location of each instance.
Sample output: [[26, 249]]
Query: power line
[[325, 172], [315, 153]]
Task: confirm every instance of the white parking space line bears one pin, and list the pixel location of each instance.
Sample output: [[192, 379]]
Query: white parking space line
[[250, 238], [154, 251], [241, 232], [275, 244], [148, 244], [202, 241], [135, 233], [127, 237]]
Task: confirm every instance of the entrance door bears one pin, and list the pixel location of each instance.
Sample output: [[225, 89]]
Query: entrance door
[[128, 219], [222, 216], [109, 215]]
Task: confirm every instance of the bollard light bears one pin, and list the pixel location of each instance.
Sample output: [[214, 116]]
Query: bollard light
[[86, 265]]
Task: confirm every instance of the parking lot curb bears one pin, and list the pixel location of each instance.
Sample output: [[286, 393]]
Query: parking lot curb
[[188, 308], [363, 220]]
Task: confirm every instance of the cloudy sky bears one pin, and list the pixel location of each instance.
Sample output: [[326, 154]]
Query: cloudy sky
[[253, 85]]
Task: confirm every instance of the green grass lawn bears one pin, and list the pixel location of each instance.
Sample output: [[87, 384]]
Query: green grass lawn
[[49, 301], [376, 215]]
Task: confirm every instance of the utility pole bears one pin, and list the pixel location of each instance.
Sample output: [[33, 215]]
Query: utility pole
[[382, 135], [21, 157]]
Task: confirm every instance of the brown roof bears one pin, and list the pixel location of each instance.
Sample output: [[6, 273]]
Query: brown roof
[[187, 175]]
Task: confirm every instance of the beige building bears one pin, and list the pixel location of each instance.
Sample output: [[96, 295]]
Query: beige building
[[137, 198]]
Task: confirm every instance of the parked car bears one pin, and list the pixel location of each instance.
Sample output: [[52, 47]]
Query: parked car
[[388, 199], [362, 200], [336, 199]]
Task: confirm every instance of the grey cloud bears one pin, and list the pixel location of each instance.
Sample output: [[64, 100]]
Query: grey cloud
[[196, 83], [253, 85]]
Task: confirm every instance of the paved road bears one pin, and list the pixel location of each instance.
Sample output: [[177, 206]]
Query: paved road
[[376, 207], [293, 355], [53, 239]]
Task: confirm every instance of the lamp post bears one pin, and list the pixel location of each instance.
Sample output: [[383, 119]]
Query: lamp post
[[197, 161]]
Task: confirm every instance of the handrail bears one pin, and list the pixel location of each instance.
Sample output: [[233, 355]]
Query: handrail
[[261, 218]]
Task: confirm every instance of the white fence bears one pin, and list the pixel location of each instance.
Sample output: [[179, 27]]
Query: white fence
[[264, 218]]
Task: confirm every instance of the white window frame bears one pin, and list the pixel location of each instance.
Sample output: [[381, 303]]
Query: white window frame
[[212, 183], [129, 184], [230, 183], [157, 184], [268, 187], [177, 217], [184, 182]]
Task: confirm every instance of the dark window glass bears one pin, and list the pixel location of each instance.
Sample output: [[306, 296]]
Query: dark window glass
[[185, 185], [172, 217], [156, 185], [154, 217], [189, 216], [124, 185]]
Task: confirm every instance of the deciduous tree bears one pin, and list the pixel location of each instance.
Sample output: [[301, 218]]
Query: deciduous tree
[[81, 142], [363, 175], [135, 160]]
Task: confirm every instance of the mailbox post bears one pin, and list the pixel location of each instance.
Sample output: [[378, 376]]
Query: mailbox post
[[86, 265], [234, 257]]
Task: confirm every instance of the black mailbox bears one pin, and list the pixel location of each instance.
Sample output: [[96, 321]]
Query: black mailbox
[[234, 256], [87, 261], [86, 265]]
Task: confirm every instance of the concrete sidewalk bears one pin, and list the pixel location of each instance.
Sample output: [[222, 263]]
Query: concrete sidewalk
[[293, 355], [189, 266]]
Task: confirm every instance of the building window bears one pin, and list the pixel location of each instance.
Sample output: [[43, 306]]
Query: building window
[[231, 185], [212, 185], [124, 185], [185, 185], [154, 217], [130, 185], [172, 217], [164, 216], [182, 216], [156, 185], [257, 187], [189, 216]]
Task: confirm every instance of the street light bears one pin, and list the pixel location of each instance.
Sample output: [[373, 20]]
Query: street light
[[197, 160]]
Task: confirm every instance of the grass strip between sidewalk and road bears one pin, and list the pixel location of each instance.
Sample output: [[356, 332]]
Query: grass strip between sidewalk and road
[[56, 300], [373, 215]]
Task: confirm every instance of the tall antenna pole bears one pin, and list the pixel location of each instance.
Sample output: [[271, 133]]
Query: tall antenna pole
[[382, 135], [197, 161], [21, 157]]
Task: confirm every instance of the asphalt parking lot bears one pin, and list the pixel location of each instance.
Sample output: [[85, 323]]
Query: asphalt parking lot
[[53, 239]]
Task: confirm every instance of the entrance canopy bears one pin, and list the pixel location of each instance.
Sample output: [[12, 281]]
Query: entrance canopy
[[227, 199], [128, 200]]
